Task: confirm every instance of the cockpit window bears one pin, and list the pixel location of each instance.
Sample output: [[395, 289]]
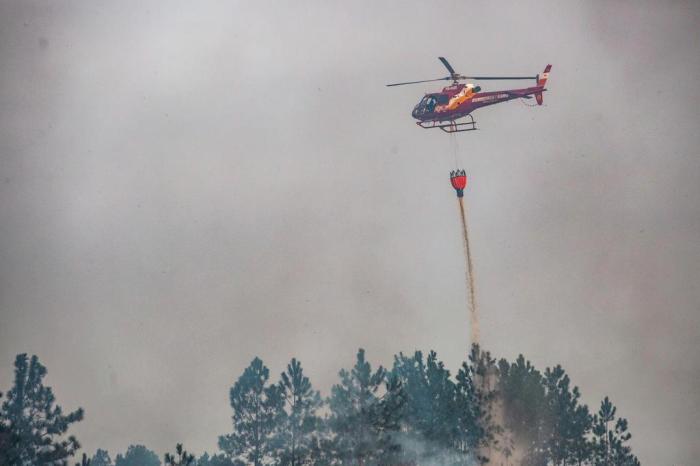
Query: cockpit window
[[429, 102]]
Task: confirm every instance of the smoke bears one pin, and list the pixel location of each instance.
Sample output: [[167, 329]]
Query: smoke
[[431, 454], [505, 444], [471, 292], [507, 448]]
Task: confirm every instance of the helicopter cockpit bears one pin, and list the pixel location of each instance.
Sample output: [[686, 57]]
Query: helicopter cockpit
[[428, 104]]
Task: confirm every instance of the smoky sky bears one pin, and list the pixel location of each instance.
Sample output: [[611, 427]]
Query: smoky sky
[[187, 185]]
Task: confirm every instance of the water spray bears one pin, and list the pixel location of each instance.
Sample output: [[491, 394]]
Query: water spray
[[458, 178]]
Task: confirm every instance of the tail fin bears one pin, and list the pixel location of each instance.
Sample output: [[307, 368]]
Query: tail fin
[[541, 81]]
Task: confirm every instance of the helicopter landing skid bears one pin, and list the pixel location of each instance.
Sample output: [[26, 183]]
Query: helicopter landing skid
[[450, 127]]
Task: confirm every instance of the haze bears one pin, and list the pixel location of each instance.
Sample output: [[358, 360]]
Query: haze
[[187, 185]]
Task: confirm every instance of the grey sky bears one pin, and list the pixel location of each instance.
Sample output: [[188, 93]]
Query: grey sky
[[186, 185]]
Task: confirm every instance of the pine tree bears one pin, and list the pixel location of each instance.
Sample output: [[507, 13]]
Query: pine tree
[[391, 407], [101, 458], [522, 391], [476, 395], [35, 426], [182, 459], [569, 423], [430, 419], [298, 429], [610, 438], [601, 424], [137, 455], [410, 371], [361, 432], [256, 409]]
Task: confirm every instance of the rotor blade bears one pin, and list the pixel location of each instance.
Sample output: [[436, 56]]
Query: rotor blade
[[447, 65], [502, 78], [423, 81]]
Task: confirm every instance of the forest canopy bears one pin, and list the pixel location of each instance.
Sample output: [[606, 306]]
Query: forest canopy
[[415, 413]]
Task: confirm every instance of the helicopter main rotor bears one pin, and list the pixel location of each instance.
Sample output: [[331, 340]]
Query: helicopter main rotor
[[456, 77]]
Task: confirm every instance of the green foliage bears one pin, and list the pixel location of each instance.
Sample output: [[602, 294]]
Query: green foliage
[[215, 460], [299, 427], [182, 459], [8, 454], [417, 413], [611, 437], [523, 395], [257, 407], [101, 458], [361, 432], [137, 455], [522, 392], [568, 422], [477, 395], [33, 426], [430, 417]]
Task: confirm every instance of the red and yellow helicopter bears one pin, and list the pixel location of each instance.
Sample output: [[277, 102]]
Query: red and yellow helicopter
[[443, 109]]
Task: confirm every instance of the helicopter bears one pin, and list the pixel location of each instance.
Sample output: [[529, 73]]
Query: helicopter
[[443, 109]]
